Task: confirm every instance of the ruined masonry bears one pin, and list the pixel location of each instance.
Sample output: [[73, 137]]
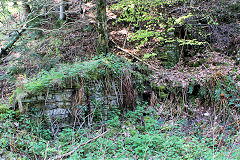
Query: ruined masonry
[[71, 106]]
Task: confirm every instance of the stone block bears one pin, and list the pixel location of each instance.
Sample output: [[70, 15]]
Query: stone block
[[58, 97], [57, 113], [67, 94], [60, 104], [49, 106], [68, 103]]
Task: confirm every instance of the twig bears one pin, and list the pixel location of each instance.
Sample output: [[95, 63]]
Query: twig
[[126, 36], [124, 50], [76, 148], [46, 151]]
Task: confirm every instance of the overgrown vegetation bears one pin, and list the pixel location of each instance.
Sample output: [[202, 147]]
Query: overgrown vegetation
[[172, 64], [88, 71], [139, 136], [173, 35]]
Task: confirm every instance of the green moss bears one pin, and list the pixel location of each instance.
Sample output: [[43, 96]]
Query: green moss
[[164, 58], [237, 77], [202, 61], [12, 98], [218, 49], [161, 87], [78, 86], [4, 109], [196, 64], [207, 66], [216, 63], [167, 64], [163, 95], [183, 19], [17, 113]]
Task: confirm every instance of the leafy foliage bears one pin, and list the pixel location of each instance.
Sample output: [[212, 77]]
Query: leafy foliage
[[91, 70], [222, 88], [23, 137], [153, 21]]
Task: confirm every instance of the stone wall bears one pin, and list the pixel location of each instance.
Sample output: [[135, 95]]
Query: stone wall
[[76, 105]]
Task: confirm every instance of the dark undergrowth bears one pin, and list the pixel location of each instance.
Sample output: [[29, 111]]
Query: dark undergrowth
[[140, 134]]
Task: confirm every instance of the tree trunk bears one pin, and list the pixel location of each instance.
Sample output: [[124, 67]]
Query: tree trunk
[[4, 50], [26, 10], [64, 5], [102, 46], [62, 15]]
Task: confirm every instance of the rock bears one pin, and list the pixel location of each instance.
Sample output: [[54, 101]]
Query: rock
[[57, 113], [59, 97], [49, 106], [59, 103]]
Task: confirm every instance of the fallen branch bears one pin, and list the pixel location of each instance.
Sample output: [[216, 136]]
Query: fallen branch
[[46, 151], [76, 148], [4, 50], [139, 59]]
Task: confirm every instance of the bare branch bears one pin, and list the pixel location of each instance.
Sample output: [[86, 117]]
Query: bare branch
[[76, 148]]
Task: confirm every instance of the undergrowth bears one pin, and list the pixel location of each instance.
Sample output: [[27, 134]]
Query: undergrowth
[[137, 135], [90, 70], [153, 22]]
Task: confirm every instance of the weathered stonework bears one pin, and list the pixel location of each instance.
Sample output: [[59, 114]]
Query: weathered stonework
[[73, 106]]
